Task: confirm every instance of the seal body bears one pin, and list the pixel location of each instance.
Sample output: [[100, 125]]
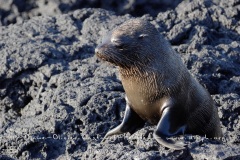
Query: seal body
[[159, 89]]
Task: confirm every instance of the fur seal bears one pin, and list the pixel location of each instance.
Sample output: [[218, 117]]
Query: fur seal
[[159, 88]]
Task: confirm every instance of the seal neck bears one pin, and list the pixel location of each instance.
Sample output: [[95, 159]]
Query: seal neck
[[139, 72]]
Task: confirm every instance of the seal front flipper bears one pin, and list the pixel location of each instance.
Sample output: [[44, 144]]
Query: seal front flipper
[[131, 122], [169, 125]]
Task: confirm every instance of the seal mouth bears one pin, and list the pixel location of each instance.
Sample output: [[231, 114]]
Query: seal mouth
[[107, 59], [104, 57], [114, 55], [105, 53]]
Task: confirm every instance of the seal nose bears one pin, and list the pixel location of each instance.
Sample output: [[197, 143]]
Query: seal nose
[[97, 50], [100, 49]]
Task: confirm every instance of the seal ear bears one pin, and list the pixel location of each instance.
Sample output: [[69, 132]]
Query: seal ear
[[141, 36]]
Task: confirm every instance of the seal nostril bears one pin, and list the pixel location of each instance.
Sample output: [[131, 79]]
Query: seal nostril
[[96, 50], [100, 48]]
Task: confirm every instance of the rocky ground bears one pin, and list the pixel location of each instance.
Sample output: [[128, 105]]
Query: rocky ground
[[57, 100], [12, 11]]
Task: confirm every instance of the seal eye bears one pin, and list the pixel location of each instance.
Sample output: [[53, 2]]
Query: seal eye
[[119, 43], [119, 46], [141, 36]]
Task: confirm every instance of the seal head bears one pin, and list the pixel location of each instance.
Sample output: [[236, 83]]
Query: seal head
[[127, 47]]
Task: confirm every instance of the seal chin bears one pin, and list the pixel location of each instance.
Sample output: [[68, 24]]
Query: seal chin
[[100, 56], [103, 58]]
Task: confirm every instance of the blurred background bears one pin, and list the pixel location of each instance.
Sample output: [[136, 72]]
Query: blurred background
[[13, 11]]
